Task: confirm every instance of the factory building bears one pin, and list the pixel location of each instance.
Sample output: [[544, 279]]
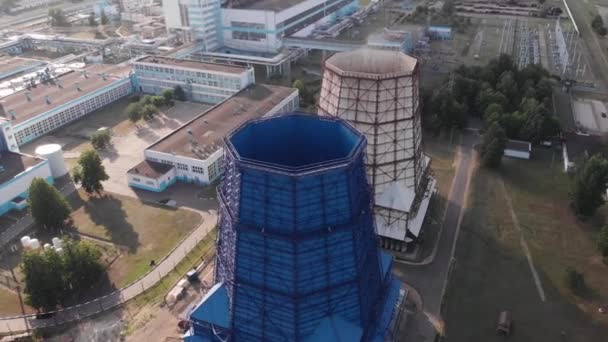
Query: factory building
[[11, 66], [17, 171], [251, 25], [51, 100], [202, 82], [193, 153], [377, 92], [297, 257]]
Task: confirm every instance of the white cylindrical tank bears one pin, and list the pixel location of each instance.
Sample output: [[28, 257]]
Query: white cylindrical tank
[[34, 244], [25, 241], [54, 154], [47, 246], [59, 250]]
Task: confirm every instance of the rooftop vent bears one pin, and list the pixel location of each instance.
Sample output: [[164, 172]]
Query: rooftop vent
[[47, 99], [12, 113], [85, 74], [58, 82], [104, 76], [78, 86], [28, 96]]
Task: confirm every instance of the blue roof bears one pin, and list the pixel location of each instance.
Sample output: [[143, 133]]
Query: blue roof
[[386, 261], [336, 329], [295, 140], [213, 309], [195, 338]]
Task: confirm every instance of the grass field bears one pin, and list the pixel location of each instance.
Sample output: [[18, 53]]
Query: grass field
[[492, 274], [144, 232]]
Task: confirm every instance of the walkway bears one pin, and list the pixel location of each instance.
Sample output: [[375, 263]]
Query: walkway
[[431, 280], [18, 324]]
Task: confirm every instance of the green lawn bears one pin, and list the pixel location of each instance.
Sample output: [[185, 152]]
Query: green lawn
[[143, 232], [492, 274]]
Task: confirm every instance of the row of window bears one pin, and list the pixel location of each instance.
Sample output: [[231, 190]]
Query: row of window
[[70, 114], [147, 78]]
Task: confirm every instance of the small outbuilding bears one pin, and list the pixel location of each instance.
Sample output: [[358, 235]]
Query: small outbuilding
[[518, 149]]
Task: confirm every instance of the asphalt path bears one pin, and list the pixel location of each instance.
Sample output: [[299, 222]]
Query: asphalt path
[[430, 280]]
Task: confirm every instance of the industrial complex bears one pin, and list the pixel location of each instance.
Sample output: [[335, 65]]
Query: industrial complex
[[297, 257], [193, 153], [377, 92]]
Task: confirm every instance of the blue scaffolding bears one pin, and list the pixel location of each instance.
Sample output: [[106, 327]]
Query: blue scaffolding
[[297, 256]]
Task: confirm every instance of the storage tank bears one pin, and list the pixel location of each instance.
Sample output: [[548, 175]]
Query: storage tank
[[54, 154], [25, 241], [34, 244], [57, 243]]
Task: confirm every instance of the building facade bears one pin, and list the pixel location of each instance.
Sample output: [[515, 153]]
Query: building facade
[[195, 21], [192, 153], [28, 114], [297, 257], [202, 82], [17, 171]]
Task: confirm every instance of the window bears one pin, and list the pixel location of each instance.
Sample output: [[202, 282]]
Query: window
[[244, 31], [150, 182], [181, 166], [197, 169], [135, 179]]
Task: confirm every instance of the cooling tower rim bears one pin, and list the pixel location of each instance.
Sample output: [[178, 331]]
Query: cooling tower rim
[[372, 64]]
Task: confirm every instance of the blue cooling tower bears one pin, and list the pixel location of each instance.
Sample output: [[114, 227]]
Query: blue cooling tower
[[297, 257]]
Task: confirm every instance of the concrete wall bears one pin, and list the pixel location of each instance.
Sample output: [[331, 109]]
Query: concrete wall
[[171, 11]]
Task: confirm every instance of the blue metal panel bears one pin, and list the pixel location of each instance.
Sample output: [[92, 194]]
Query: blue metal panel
[[296, 242]]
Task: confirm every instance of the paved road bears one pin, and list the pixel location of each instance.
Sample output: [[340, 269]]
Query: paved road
[[17, 324], [429, 280]]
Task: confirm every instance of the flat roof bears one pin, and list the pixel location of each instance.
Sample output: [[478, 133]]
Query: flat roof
[[208, 129], [150, 169], [266, 5], [25, 110], [185, 63], [15, 163], [9, 63], [518, 145]]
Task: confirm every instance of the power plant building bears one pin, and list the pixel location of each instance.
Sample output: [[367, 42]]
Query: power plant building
[[377, 92], [193, 153], [297, 256], [201, 82]]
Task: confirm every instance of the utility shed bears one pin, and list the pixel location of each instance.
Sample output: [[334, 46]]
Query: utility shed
[[518, 149]]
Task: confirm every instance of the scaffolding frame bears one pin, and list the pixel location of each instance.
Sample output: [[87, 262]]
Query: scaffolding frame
[[297, 244]]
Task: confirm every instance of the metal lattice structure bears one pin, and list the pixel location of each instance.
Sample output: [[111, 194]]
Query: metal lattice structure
[[377, 92], [297, 255]]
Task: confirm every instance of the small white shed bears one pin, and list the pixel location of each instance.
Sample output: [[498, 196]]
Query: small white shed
[[518, 149]]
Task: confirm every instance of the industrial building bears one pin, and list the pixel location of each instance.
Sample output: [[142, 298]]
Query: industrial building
[[17, 170], [377, 92], [54, 98], [297, 257], [11, 66], [202, 82], [251, 25], [193, 153]]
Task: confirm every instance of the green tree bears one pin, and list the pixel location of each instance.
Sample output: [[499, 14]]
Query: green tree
[[493, 146], [44, 285], [306, 96], [602, 241], [149, 111], [168, 96], [92, 21], [48, 206], [179, 94], [101, 139], [53, 277], [507, 86], [104, 18], [90, 172], [488, 96], [81, 266], [589, 185], [134, 111], [58, 18], [158, 101]]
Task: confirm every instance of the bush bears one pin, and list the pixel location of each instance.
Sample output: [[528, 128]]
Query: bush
[[101, 139], [602, 241], [575, 281]]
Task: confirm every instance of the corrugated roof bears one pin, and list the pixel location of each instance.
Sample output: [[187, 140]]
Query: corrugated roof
[[184, 63]]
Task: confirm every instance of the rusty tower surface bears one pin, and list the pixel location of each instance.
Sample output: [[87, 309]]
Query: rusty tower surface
[[377, 92]]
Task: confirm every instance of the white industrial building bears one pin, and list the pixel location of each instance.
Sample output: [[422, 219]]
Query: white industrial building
[[193, 153], [17, 170], [377, 92], [251, 25], [51, 100], [202, 82]]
